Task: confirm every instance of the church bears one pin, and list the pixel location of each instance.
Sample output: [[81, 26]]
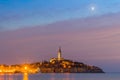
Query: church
[[59, 57]]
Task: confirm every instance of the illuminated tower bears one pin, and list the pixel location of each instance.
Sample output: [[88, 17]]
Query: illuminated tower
[[59, 54]]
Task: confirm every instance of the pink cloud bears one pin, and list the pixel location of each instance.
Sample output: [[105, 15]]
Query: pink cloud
[[92, 40]]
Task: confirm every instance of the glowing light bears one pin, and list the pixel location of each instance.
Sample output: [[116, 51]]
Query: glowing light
[[92, 8], [26, 67], [0, 70]]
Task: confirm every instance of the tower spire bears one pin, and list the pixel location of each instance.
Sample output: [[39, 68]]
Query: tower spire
[[59, 53]]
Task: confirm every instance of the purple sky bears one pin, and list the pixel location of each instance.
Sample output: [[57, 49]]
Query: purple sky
[[87, 30], [92, 45]]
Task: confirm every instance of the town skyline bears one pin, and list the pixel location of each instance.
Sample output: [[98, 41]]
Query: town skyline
[[57, 64]]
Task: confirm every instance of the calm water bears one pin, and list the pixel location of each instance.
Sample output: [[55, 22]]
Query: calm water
[[53, 76]]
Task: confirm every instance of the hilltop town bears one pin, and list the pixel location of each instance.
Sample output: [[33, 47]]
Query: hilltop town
[[61, 65], [54, 65]]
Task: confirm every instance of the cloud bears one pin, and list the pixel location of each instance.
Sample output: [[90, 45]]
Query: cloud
[[91, 40]]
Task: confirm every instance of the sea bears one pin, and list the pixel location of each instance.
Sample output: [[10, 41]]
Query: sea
[[61, 76]]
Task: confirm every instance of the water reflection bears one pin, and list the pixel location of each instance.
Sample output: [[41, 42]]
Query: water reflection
[[9, 77], [25, 76], [14, 76], [54, 76], [6, 77], [58, 76], [1, 76]]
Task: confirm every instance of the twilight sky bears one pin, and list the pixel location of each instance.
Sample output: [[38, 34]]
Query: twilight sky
[[87, 30]]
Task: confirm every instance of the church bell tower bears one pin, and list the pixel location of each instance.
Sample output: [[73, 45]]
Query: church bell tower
[[59, 53]]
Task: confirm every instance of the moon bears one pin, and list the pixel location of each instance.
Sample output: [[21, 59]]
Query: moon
[[92, 8]]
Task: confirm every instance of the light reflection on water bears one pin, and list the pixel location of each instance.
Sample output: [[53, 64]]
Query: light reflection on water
[[1, 76], [14, 76], [25, 76], [57, 76]]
